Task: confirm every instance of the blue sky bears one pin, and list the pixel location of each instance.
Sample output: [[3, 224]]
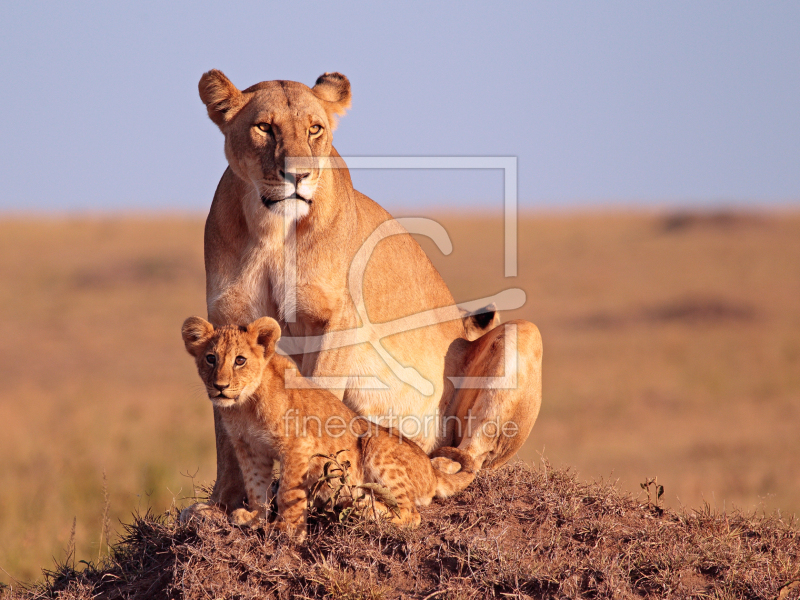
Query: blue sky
[[636, 103]]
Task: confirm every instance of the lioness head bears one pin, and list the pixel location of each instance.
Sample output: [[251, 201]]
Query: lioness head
[[277, 134], [231, 359]]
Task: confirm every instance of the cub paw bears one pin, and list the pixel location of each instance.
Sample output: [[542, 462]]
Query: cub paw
[[195, 512], [242, 517], [296, 532], [407, 517]]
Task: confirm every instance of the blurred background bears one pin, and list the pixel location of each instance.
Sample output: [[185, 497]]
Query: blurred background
[[658, 148]]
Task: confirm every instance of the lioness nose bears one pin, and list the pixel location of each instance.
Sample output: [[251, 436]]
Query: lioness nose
[[297, 177], [222, 386]]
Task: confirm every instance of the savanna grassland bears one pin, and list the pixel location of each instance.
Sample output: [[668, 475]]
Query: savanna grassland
[[672, 349]]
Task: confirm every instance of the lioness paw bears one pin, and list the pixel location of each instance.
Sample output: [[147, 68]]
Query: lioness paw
[[196, 512]]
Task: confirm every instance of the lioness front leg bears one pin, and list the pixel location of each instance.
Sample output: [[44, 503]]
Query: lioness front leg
[[498, 405], [330, 364]]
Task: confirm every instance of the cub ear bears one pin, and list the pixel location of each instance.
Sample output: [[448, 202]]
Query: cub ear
[[196, 332], [334, 91], [222, 99], [267, 332]]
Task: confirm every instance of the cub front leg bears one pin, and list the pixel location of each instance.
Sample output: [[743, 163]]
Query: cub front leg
[[257, 475], [229, 491], [293, 498]]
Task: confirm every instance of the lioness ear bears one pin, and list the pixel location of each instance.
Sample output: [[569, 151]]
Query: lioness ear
[[222, 99], [195, 332], [267, 332], [334, 91]]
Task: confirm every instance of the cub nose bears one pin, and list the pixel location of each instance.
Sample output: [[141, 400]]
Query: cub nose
[[222, 386]]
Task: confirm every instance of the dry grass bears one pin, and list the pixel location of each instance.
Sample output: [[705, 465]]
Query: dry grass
[[516, 532], [672, 348]]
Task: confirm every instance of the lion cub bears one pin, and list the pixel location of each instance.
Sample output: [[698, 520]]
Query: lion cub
[[268, 420]]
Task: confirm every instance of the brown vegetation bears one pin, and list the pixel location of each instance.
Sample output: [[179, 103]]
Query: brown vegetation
[[516, 532], [692, 373]]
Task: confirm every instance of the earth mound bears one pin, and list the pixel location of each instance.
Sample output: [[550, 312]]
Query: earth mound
[[518, 532]]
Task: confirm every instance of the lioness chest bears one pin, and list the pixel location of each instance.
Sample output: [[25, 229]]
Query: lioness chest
[[264, 284]]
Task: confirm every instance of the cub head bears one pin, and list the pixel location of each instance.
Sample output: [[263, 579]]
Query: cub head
[[277, 134], [231, 359]]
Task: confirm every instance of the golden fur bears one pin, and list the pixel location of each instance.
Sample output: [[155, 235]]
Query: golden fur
[[266, 420], [265, 204]]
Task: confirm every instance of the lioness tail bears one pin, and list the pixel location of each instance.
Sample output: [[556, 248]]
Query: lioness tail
[[448, 484]]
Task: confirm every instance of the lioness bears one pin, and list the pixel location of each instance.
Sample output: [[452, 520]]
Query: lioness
[[266, 421], [288, 237]]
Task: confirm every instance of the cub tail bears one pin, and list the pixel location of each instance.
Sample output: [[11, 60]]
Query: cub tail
[[445, 461]]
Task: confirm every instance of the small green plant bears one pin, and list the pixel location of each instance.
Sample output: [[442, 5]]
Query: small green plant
[[343, 501], [654, 493]]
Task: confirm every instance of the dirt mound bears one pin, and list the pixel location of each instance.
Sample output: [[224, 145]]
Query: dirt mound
[[515, 532]]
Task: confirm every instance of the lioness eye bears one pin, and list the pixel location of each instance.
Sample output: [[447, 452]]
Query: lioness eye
[[211, 359], [265, 127], [240, 360], [315, 129]]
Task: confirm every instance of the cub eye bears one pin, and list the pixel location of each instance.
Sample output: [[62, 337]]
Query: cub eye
[[240, 360], [315, 129], [265, 127], [211, 359]]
